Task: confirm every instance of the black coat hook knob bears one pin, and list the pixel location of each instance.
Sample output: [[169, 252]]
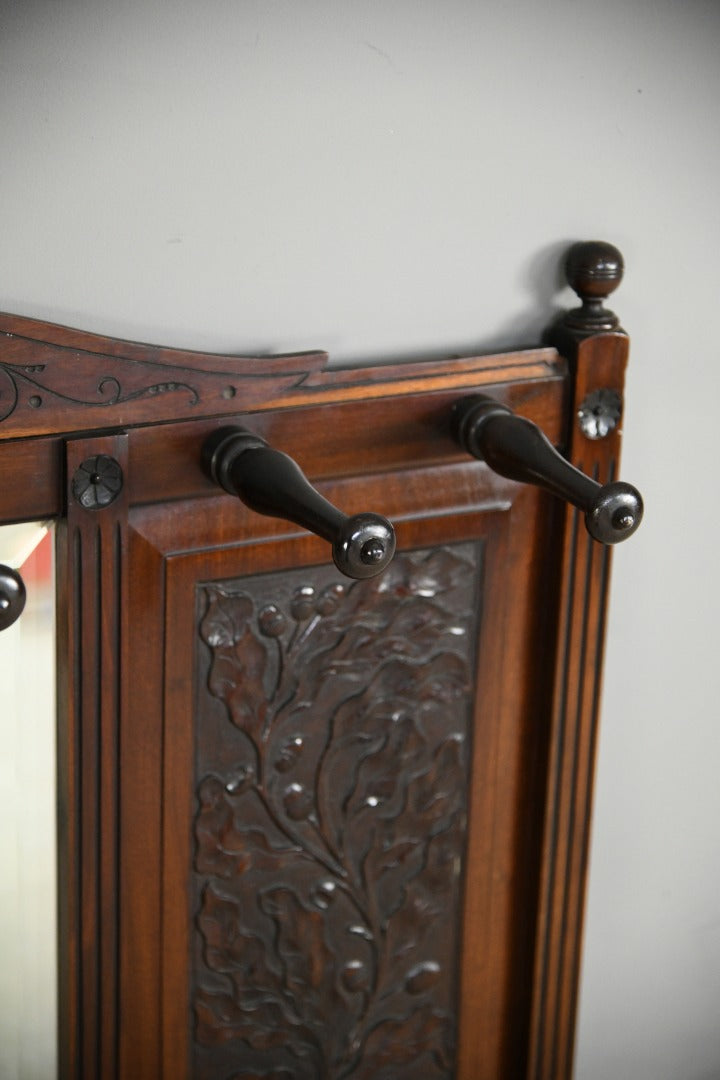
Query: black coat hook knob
[[12, 596], [270, 482], [517, 448]]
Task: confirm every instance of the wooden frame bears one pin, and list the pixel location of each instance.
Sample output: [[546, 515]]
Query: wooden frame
[[67, 396]]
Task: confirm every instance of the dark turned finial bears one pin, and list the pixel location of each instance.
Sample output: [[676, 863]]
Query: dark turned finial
[[594, 269]]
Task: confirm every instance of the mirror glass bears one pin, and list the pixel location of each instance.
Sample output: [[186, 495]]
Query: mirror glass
[[28, 881]]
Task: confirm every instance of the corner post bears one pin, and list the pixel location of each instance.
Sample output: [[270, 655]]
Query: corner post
[[91, 628], [596, 349]]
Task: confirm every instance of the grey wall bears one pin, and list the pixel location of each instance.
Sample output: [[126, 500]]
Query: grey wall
[[392, 178]]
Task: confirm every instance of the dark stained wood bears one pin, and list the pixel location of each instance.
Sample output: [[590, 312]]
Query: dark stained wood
[[141, 815], [594, 270], [460, 509], [447, 712], [32, 479], [53, 379], [599, 361], [92, 586], [336, 820], [507, 771], [169, 450], [381, 436]]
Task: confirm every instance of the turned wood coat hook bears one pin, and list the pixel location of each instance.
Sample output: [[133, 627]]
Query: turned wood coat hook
[[516, 448], [270, 482], [12, 596]]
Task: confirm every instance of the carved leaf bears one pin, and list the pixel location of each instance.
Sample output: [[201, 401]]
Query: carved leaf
[[233, 835], [435, 795], [335, 850], [239, 661], [232, 950], [308, 969], [221, 1019], [402, 1042]]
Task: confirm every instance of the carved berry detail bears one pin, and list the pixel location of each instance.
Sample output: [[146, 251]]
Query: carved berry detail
[[332, 757]]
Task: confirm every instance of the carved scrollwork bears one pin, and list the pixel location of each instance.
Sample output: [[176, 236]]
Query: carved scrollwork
[[45, 385], [106, 392], [332, 776]]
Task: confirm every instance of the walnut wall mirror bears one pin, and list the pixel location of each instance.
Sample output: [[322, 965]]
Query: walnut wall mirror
[[329, 649]]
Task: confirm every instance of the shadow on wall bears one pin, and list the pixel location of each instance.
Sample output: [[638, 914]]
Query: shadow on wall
[[543, 278]]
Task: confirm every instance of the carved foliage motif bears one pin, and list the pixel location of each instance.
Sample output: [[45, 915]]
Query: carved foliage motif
[[332, 756], [55, 383], [105, 392]]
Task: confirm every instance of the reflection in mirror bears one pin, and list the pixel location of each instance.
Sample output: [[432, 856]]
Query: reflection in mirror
[[28, 971]]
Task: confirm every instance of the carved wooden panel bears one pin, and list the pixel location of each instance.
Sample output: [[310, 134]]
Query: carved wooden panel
[[332, 730], [266, 867], [72, 381]]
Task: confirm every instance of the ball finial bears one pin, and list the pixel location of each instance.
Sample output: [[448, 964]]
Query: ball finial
[[594, 269]]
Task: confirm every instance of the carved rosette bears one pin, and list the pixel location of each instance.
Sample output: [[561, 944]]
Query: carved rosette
[[332, 758]]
